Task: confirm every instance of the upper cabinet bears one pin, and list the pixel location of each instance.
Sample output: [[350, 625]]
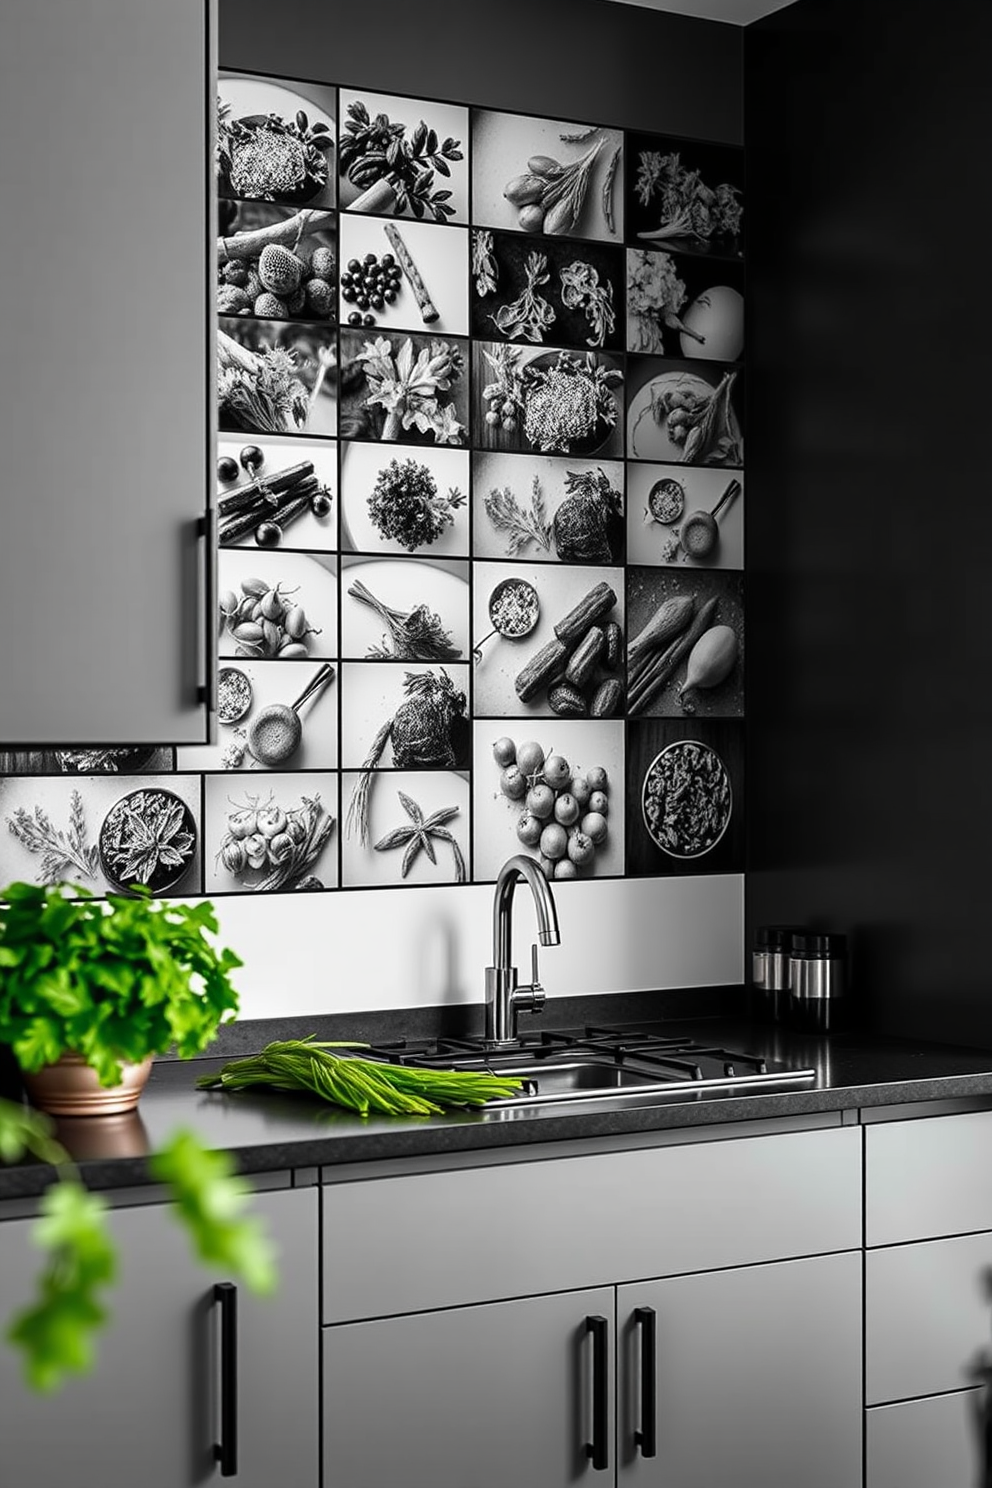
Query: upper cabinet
[[106, 386]]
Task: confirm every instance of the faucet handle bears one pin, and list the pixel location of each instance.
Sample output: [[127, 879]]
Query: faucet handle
[[531, 999]]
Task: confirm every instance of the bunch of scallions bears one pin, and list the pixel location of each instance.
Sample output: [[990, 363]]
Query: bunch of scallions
[[361, 1085]]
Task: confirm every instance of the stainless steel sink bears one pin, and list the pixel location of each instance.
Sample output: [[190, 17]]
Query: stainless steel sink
[[565, 1077]]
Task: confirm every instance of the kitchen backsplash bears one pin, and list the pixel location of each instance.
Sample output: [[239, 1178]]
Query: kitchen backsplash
[[480, 491]]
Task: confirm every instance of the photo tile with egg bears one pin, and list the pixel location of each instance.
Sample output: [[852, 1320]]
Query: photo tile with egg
[[684, 195], [680, 305]]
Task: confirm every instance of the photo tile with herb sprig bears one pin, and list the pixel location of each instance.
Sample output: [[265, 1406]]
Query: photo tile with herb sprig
[[685, 412], [534, 175], [405, 500], [547, 508], [275, 141], [275, 491], [274, 263], [680, 305], [547, 401], [418, 830], [685, 195], [403, 157], [685, 797], [547, 291], [404, 609], [276, 377], [398, 275], [273, 836], [404, 387]]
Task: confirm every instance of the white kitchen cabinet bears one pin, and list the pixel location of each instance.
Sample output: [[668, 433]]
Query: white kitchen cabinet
[[151, 1412], [940, 1442], [106, 369]]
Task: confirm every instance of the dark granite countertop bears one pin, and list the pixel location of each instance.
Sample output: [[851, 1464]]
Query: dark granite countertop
[[268, 1132]]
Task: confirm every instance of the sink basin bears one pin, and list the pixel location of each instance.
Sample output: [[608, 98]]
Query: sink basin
[[564, 1077]]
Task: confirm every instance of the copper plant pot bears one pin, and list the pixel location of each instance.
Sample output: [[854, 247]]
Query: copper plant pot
[[70, 1087]]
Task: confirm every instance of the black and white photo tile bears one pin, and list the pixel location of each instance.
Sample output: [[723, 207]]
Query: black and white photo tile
[[256, 703], [702, 615], [547, 509], [552, 401], [404, 275], [400, 386], [402, 499], [403, 157], [137, 759], [547, 291], [547, 638], [276, 377], [274, 263], [404, 718], [278, 606], [534, 175], [685, 412], [552, 790], [277, 492], [273, 836], [106, 833], [417, 830], [681, 305], [276, 140], [404, 609], [686, 515], [685, 195], [685, 797]]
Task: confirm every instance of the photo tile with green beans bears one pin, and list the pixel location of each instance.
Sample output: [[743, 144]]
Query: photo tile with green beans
[[480, 499]]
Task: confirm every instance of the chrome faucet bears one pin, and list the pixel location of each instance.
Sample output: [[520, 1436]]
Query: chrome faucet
[[504, 998]]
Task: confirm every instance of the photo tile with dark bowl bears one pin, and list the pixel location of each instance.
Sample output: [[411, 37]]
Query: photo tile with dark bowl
[[685, 797], [275, 141]]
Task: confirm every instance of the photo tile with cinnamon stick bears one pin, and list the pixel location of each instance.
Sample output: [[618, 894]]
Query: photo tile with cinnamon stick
[[533, 175], [403, 157], [685, 195], [547, 291], [403, 275], [276, 836], [277, 492], [685, 797], [685, 654], [547, 509]]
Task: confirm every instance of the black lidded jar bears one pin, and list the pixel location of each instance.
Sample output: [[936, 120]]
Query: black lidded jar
[[770, 969], [818, 1001]]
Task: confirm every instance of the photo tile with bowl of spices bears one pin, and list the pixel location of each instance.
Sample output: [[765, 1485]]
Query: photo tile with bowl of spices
[[404, 609], [403, 157], [277, 263], [685, 653], [552, 402], [276, 377], [548, 641], [685, 195], [277, 492], [404, 387], [533, 175], [405, 500], [277, 606], [272, 836], [685, 412], [271, 716], [689, 516], [685, 801], [417, 830], [547, 291], [275, 140], [552, 791], [547, 509], [681, 305], [403, 275]]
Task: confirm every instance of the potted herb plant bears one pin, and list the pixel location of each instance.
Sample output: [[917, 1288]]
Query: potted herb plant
[[90, 990]]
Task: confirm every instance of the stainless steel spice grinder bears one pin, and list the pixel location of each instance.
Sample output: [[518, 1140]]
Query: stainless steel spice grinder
[[817, 981]]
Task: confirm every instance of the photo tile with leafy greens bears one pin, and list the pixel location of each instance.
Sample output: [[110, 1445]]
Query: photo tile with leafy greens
[[418, 830], [547, 509], [551, 402], [277, 263], [271, 715], [275, 140], [680, 305], [276, 377], [548, 641], [403, 157], [691, 516], [685, 654], [404, 609], [405, 500], [547, 290], [404, 275], [272, 836], [275, 491], [404, 387], [685, 797], [685, 412], [534, 175], [685, 195]]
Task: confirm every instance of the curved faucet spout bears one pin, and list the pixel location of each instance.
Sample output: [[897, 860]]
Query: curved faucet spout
[[504, 999]]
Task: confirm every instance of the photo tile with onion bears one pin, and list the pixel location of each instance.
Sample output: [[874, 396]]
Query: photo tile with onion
[[685, 653], [685, 195], [399, 275], [548, 641], [403, 157], [404, 387], [547, 509], [552, 790], [547, 291], [550, 401], [551, 176], [683, 412], [274, 263], [685, 797], [406, 828], [405, 500], [273, 836], [404, 609], [277, 492], [685, 515], [277, 377], [275, 141]]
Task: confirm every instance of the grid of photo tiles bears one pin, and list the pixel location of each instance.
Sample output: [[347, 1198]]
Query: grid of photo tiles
[[480, 491]]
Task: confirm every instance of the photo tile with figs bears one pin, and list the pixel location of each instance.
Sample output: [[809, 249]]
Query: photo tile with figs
[[278, 836], [552, 791], [274, 263], [534, 175], [547, 509], [403, 157], [417, 830], [684, 196], [397, 499], [685, 655], [685, 797], [549, 402], [275, 141], [276, 377], [404, 609], [685, 515], [408, 387], [685, 412], [277, 492], [547, 291]]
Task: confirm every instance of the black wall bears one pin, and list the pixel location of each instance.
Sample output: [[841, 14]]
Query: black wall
[[869, 540]]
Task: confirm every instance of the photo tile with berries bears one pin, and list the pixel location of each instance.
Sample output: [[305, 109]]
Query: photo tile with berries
[[275, 140], [277, 492], [404, 609], [685, 654], [548, 641], [685, 196], [549, 402], [409, 828], [680, 305], [685, 515], [405, 500], [404, 275], [547, 508], [553, 791], [406, 387], [271, 715], [685, 797], [533, 175], [685, 412], [403, 157], [276, 377], [273, 836], [274, 263], [547, 291]]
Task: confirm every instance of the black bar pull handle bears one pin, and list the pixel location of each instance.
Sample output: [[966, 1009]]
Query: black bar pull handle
[[226, 1450], [646, 1435], [597, 1450]]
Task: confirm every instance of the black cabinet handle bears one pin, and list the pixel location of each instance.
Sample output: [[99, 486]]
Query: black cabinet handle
[[208, 542], [646, 1435], [226, 1450], [598, 1449]]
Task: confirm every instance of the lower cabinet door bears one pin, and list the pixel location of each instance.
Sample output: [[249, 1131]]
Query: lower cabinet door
[[150, 1412], [750, 1377], [937, 1443], [506, 1395]]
